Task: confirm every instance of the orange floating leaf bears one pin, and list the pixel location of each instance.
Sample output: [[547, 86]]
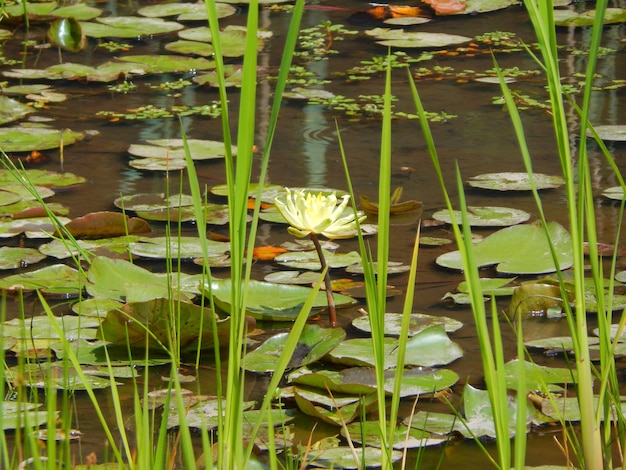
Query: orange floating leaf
[[268, 252]]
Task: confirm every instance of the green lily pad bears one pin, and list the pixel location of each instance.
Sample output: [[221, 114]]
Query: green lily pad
[[537, 377], [314, 343], [158, 164], [477, 422], [393, 267], [169, 64], [434, 241], [25, 139], [232, 38], [233, 76], [486, 216], [12, 110], [563, 17], [614, 192], [418, 323], [34, 227], [7, 198], [615, 133], [536, 299], [310, 260], [60, 377], [405, 39], [128, 27], [95, 307], [292, 277], [521, 249], [104, 246], [491, 286], [15, 257], [152, 201], [367, 433], [57, 279], [557, 344], [179, 247], [191, 48], [50, 179], [277, 302], [174, 149], [78, 11], [42, 327], [511, 181], [124, 281], [429, 347], [344, 457], [317, 403], [362, 380], [19, 414], [126, 326], [186, 11]]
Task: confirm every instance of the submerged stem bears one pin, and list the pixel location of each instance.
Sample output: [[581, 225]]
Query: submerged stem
[[332, 313]]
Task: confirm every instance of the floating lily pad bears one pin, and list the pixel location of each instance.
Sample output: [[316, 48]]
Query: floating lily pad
[[57, 279], [152, 201], [44, 327], [292, 277], [95, 307], [429, 347], [393, 267], [491, 286], [50, 179], [344, 409], [112, 247], [300, 93], [15, 257], [434, 241], [566, 17], [12, 110], [18, 414], [367, 433], [404, 39], [277, 302], [232, 38], [106, 224], [121, 280], [612, 133], [233, 76], [176, 247], [34, 227], [26, 139], [158, 164], [191, 48], [362, 380], [56, 375], [186, 11], [486, 216], [418, 323], [344, 457], [521, 249], [310, 260], [477, 421], [175, 149], [128, 27], [510, 181], [126, 326], [537, 377], [614, 192], [314, 343]]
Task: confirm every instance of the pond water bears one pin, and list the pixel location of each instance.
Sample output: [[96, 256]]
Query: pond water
[[306, 154]]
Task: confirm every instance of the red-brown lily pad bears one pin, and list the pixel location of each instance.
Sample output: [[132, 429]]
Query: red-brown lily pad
[[106, 224]]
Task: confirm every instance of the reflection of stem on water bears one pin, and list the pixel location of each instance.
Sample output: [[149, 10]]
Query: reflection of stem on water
[[332, 313]]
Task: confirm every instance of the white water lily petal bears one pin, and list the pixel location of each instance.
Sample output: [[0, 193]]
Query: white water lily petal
[[307, 213]]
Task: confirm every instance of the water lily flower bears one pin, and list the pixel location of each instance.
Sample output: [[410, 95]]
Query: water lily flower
[[318, 214], [308, 214]]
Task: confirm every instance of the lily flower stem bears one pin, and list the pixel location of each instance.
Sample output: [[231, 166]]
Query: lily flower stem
[[332, 313]]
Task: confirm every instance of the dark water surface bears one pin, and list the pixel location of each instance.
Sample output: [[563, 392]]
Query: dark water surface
[[306, 153]]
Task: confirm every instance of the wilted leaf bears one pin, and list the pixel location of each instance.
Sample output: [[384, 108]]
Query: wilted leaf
[[106, 225]]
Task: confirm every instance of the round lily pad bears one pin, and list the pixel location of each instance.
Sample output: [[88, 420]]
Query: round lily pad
[[186, 11], [566, 17], [128, 27], [176, 247], [344, 457], [174, 149], [50, 179], [418, 322], [404, 39], [12, 110], [511, 181], [486, 216], [25, 139]]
